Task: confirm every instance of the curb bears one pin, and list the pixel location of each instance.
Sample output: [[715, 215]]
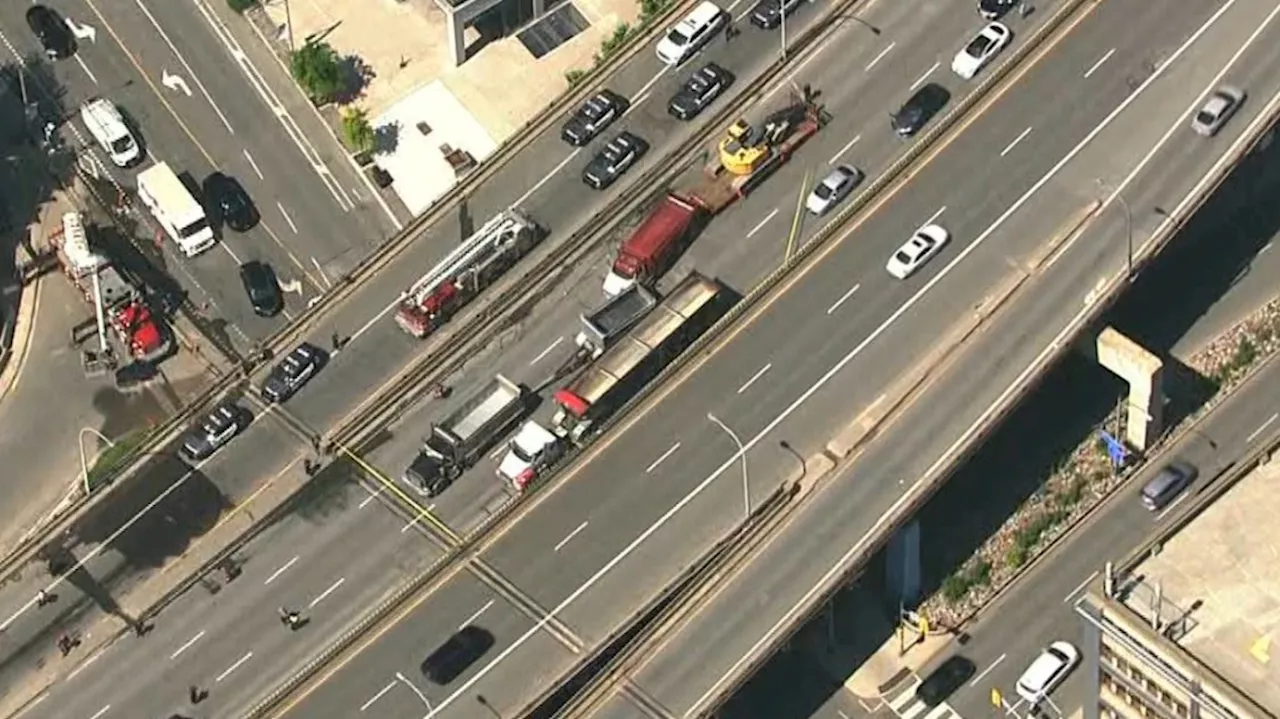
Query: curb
[[14, 358]]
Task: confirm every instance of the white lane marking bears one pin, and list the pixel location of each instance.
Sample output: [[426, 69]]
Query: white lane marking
[[416, 519], [227, 672], [287, 218], [1171, 507], [934, 217], [227, 248], [87, 663], [182, 59], [763, 222], [754, 377], [377, 696], [482, 610], [86, 69], [101, 711], [1079, 587], [372, 496], [965, 437], [987, 671], [280, 571], [1261, 428], [574, 533], [323, 275], [545, 352], [845, 296], [332, 587], [1098, 64], [1015, 142], [554, 171], [644, 93], [844, 149], [661, 459], [920, 80], [787, 81], [186, 646], [880, 57], [253, 164]]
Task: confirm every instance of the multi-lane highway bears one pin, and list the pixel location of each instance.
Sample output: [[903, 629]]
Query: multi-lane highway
[[242, 118]]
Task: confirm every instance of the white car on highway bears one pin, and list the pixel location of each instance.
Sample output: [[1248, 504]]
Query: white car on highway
[[922, 246], [690, 34], [981, 50], [1047, 671], [833, 188]]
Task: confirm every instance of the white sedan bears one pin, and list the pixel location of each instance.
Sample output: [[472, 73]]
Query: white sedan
[[1047, 671], [981, 50], [922, 246]]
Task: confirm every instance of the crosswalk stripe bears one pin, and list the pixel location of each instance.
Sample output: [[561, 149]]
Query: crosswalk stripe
[[913, 711], [903, 699], [940, 711]]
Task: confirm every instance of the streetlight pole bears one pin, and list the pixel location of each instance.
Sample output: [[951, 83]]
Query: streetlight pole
[[1128, 226], [84, 462], [742, 455], [786, 447]]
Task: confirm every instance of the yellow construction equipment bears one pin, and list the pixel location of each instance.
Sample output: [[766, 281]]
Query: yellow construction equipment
[[745, 149]]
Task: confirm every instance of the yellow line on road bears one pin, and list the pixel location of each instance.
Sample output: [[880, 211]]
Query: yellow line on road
[[413, 505]]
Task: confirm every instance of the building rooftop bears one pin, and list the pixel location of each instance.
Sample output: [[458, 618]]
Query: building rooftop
[[1217, 582]]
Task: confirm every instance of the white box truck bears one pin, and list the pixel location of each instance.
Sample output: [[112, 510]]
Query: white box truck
[[104, 122], [175, 208]]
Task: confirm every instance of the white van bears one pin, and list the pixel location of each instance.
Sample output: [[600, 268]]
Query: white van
[[102, 118], [691, 33], [173, 206]]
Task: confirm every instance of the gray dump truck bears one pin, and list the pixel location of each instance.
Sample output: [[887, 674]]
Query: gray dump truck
[[466, 434]]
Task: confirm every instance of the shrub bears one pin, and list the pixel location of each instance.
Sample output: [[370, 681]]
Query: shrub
[[1016, 557], [956, 586], [614, 42], [575, 76], [356, 130], [317, 69], [239, 6], [649, 9], [1246, 352]]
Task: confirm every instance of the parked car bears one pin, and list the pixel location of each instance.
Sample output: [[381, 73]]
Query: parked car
[[922, 246], [217, 428], [614, 158], [53, 32], [994, 9], [833, 188], [1047, 671], [262, 287], [1217, 109], [293, 372], [597, 113], [691, 33], [699, 91], [767, 14], [945, 680], [916, 112], [228, 204]]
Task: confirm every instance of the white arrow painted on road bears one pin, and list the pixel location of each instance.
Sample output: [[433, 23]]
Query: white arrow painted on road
[[83, 32], [175, 82], [295, 286]]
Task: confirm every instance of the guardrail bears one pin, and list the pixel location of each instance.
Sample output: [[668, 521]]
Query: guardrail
[[925, 488]]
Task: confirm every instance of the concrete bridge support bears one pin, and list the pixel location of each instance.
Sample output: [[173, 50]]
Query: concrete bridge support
[[1145, 374]]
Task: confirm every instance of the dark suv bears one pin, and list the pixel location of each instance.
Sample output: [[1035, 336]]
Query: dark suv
[[53, 32], [916, 112], [295, 370], [593, 117], [699, 91], [993, 9], [263, 288]]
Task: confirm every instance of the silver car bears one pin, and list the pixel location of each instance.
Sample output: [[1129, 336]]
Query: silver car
[[833, 188], [1217, 109]]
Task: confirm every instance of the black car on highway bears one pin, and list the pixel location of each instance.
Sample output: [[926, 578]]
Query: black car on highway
[[593, 117], [214, 431], [994, 9], [699, 91], [458, 652], [767, 14], [945, 680], [295, 370], [262, 287], [52, 31], [916, 112], [228, 202], [614, 158]]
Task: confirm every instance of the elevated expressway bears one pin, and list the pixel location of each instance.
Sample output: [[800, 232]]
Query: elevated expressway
[[839, 333]]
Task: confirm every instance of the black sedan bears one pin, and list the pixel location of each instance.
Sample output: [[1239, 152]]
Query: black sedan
[[767, 14], [53, 32], [699, 91], [593, 117], [229, 204], [993, 9], [614, 159], [263, 288], [217, 429], [916, 112], [295, 370]]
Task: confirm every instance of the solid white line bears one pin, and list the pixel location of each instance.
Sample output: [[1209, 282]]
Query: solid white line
[[377, 696], [572, 534], [326, 592], [697, 491], [844, 149], [86, 664], [324, 276], [233, 667], [483, 609], [843, 297], [372, 496], [416, 519], [644, 90], [920, 80], [1015, 142], [547, 351], [880, 57], [280, 571], [86, 69], [754, 377], [1261, 428], [1080, 586], [190, 71], [1170, 508], [763, 222], [186, 646], [253, 164], [227, 248], [287, 218], [1031, 368], [934, 217], [1101, 60], [376, 318], [101, 711], [554, 171], [987, 671], [659, 460]]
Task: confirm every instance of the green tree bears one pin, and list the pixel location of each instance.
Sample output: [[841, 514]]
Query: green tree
[[356, 129], [317, 69], [239, 6]]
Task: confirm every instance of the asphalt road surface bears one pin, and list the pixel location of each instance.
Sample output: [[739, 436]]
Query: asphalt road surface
[[317, 215], [695, 663], [595, 548]]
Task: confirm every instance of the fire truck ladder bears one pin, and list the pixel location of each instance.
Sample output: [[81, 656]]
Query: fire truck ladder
[[490, 235]]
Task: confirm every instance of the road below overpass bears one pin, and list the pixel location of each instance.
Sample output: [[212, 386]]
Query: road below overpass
[[702, 659], [592, 550]]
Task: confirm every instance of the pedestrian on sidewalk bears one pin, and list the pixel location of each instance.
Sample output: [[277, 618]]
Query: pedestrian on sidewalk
[[66, 643], [44, 598]]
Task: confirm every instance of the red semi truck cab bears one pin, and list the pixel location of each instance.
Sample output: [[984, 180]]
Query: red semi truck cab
[[654, 245]]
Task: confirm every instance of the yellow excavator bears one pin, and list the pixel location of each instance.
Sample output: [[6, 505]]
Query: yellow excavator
[[746, 149]]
